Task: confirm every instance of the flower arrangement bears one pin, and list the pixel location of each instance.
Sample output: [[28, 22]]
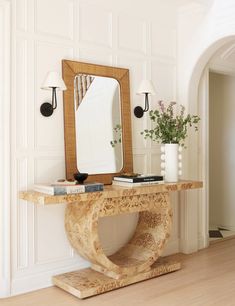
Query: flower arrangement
[[170, 126]]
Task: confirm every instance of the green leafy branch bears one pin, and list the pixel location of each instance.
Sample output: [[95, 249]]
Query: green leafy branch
[[170, 126], [118, 139]]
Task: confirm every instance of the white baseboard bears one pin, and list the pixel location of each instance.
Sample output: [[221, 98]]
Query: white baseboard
[[203, 241], [40, 280], [172, 247], [4, 288], [227, 227], [188, 246]]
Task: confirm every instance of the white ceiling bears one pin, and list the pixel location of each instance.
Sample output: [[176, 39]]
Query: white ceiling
[[202, 2]]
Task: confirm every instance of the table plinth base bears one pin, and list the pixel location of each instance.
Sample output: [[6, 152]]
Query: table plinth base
[[87, 282]]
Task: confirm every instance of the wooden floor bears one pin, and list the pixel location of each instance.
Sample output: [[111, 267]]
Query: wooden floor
[[207, 278]]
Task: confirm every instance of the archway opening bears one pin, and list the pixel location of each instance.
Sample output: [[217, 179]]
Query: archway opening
[[198, 95]]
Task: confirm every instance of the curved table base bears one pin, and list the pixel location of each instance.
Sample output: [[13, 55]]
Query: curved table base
[[87, 282], [151, 234], [134, 262]]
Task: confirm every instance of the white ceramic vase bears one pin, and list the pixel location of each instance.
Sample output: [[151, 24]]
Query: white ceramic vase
[[171, 162]]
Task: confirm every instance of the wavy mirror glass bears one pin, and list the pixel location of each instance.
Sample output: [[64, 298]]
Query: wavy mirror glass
[[97, 104]]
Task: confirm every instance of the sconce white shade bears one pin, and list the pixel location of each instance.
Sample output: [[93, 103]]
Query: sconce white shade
[[146, 86], [53, 79]]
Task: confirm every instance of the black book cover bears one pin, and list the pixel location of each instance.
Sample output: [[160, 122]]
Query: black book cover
[[138, 179]]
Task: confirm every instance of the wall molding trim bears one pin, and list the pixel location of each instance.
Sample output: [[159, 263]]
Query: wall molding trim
[[222, 69], [5, 52]]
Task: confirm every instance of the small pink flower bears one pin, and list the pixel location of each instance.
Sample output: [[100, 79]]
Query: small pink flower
[[161, 104], [182, 110]]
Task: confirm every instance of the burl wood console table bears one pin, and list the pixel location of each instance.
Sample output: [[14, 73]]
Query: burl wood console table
[[139, 259]]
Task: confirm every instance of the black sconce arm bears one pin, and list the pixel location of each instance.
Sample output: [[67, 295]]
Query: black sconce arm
[[139, 111], [47, 108], [54, 98]]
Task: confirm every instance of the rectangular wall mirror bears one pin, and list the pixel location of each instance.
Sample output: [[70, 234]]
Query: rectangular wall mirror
[[97, 120]]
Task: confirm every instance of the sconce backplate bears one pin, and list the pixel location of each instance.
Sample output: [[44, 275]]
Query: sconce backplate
[[46, 109], [138, 111]]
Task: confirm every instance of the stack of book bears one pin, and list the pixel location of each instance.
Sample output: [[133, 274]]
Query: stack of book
[[139, 180], [69, 188]]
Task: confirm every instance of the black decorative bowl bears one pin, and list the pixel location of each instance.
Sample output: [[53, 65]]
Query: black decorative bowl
[[80, 177]]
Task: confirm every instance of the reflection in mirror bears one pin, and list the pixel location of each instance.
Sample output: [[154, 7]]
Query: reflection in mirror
[[97, 106]]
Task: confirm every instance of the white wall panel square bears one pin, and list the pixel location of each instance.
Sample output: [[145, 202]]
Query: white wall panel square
[[132, 34], [163, 40], [156, 146], [107, 228], [21, 244], [22, 235], [138, 126], [51, 136], [95, 55], [22, 174], [137, 71], [116, 231], [156, 163], [54, 17], [20, 111], [164, 76], [21, 14], [48, 169], [49, 131], [126, 225], [140, 163], [51, 243], [95, 25]]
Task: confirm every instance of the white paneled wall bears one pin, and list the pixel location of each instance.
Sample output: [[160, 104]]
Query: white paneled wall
[[104, 32], [5, 148]]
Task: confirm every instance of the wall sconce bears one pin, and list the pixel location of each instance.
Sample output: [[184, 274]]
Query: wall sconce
[[146, 88], [53, 82]]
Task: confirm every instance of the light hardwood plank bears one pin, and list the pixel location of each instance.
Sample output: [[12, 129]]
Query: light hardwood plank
[[206, 278]]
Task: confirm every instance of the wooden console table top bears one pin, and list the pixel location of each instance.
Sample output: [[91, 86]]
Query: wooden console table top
[[108, 192]]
